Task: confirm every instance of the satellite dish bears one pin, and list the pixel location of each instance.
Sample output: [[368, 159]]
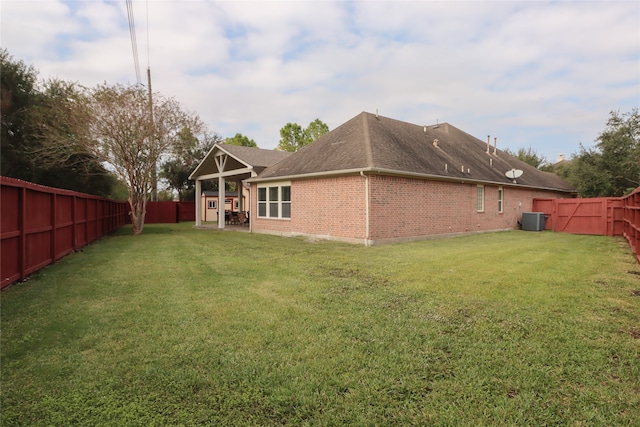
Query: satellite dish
[[513, 173]]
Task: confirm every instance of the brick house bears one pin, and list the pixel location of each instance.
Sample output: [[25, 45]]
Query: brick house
[[377, 180]]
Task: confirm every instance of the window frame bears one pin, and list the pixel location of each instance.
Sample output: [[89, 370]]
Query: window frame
[[500, 199], [271, 198], [212, 204], [480, 198]]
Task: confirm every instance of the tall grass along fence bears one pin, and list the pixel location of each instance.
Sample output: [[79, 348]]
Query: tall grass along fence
[[606, 216], [39, 225]]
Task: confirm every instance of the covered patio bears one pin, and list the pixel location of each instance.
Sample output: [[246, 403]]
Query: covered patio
[[230, 163]]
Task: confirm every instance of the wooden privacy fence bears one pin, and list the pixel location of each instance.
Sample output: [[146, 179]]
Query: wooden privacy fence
[[601, 216], [606, 216], [39, 225], [169, 212], [631, 220]]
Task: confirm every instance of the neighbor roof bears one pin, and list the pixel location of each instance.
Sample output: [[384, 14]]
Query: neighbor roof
[[376, 144]]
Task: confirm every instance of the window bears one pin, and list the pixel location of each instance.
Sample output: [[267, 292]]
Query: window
[[286, 202], [480, 198], [236, 205], [212, 204], [500, 199], [274, 201], [262, 202]]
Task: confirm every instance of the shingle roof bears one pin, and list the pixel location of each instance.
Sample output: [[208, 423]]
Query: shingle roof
[[374, 143], [255, 156]]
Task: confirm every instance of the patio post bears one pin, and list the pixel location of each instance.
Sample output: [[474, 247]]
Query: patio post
[[221, 202], [198, 203]]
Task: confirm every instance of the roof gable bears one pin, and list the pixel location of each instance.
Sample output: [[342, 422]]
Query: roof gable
[[238, 157], [373, 143]]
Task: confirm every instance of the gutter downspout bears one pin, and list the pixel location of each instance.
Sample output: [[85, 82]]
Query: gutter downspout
[[366, 191]]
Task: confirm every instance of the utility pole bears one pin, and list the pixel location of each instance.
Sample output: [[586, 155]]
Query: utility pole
[[154, 178]]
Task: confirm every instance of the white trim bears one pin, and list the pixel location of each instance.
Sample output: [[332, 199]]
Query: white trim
[[216, 146], [221, 161], [478, 193], [393, 172], [232, 172], [500, 199]]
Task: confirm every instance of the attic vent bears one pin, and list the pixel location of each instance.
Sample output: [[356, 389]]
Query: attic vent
[[435, 142]]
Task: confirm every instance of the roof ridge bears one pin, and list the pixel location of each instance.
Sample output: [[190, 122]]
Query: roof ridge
[[367, 139]]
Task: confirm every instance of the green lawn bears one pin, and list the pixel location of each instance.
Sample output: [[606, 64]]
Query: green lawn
[[202, 327]]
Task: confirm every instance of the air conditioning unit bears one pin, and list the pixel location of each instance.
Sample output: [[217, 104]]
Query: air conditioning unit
[[533, 221]]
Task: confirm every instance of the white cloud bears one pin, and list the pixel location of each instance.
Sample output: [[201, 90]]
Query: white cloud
[[541, 74], [31, 28]]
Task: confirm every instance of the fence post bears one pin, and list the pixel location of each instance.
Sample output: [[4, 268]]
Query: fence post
[[53, 227], [22, 245], [74, 234]]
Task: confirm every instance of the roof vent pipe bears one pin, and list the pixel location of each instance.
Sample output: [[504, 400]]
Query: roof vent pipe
[[488, 143], [495, 144], [446, 167], [425, 129], [435, 143]]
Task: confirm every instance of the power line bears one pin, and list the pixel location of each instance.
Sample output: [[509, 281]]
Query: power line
[[134, 44], [148, 60]]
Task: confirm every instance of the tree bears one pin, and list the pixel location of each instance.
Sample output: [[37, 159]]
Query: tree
[[530, 157], [177, 169], [293, 137], [241, 140], [17, 99], [315, 130], [612, 168], [114, 125], [27, 107]]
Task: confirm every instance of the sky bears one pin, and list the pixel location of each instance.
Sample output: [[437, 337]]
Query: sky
[[535, 74]]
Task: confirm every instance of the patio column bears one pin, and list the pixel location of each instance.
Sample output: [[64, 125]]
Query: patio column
[[198, 203], [240, 201], [221, 202]]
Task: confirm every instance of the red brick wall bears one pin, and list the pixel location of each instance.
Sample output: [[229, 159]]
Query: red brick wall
[[323, 207], [399, 208], [406, 207]]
